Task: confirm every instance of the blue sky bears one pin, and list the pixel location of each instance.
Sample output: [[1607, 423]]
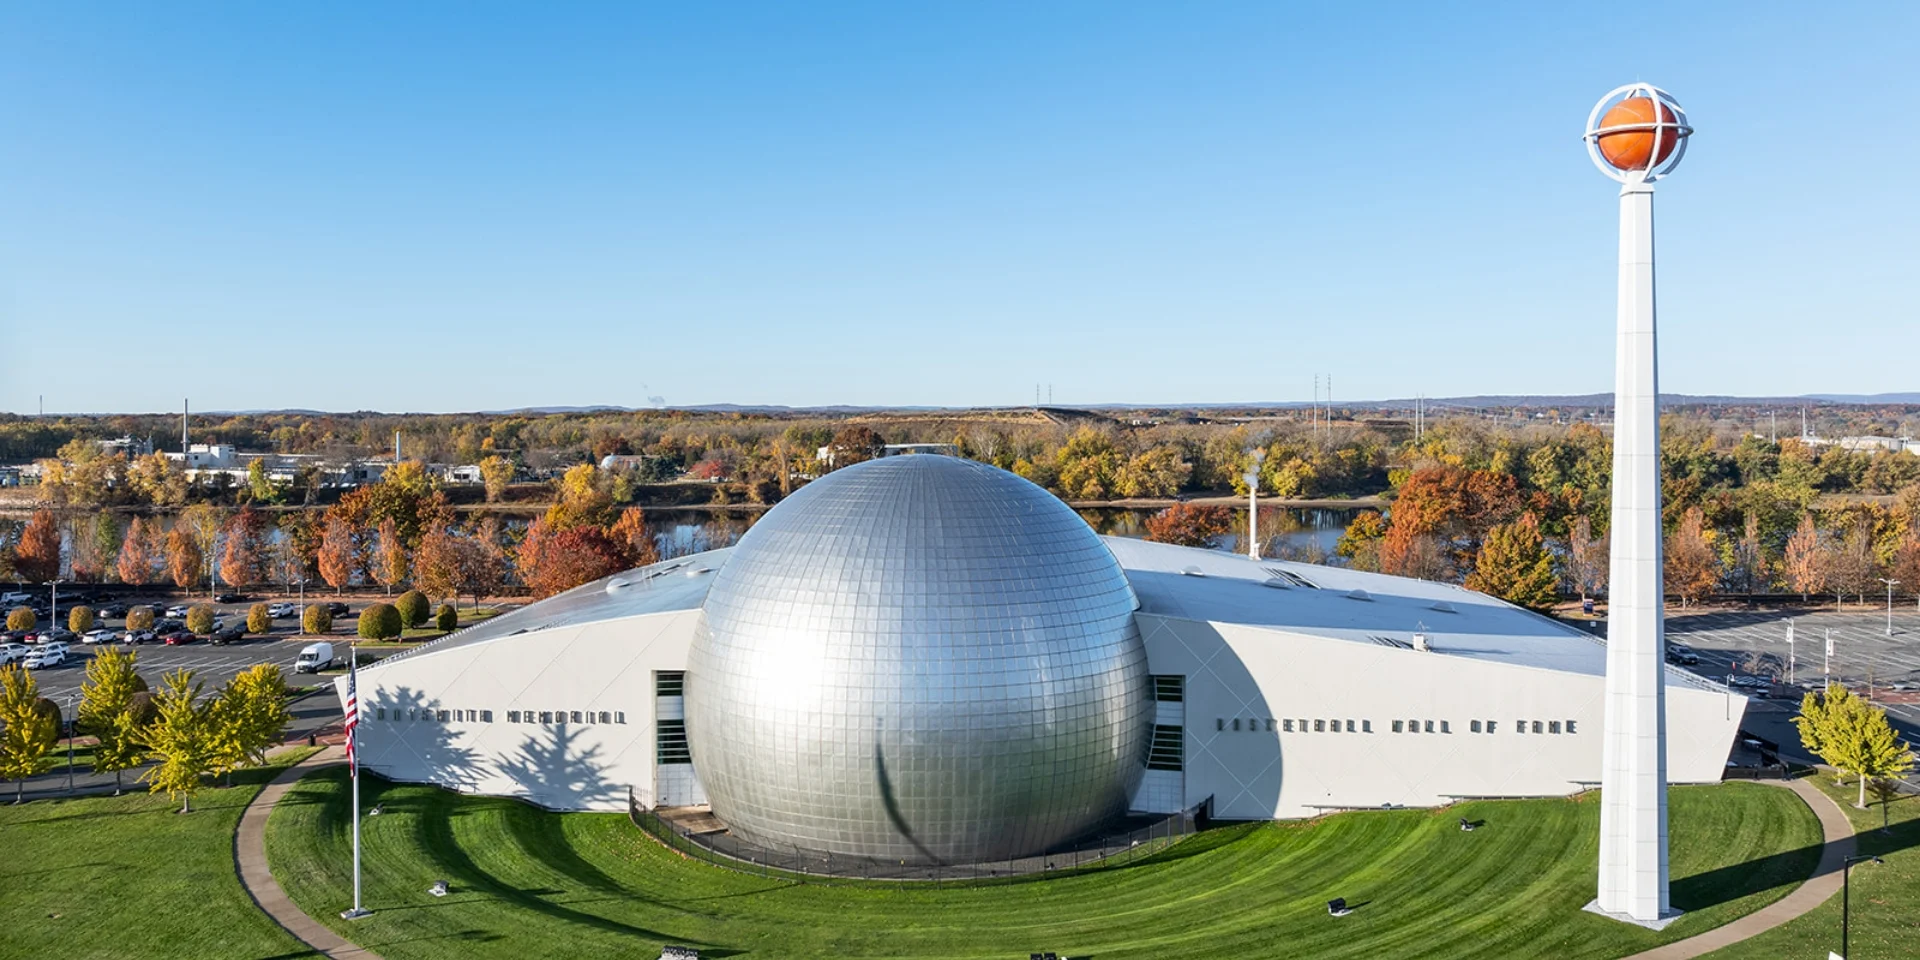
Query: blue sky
[[482, 206]]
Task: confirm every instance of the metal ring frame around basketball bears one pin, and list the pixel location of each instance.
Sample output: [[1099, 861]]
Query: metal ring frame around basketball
[[1677, 128]]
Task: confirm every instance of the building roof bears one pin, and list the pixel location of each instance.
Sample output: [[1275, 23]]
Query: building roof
[[1185, 582]]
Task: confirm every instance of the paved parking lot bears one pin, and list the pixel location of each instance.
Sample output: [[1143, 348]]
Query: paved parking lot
[[1864, 658]]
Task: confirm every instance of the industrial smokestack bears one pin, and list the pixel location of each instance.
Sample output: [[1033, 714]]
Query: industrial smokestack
[[185, 406]]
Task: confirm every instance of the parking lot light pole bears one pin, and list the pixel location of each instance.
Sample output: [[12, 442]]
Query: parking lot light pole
[[53, 604], [72, 703], [1845, 889], [1890, 585]]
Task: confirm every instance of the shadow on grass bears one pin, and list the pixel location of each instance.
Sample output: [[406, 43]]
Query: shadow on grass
[[540, 835], [1786, 868], [434, 831]]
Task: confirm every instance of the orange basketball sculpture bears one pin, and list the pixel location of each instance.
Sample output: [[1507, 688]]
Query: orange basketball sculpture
[[1626, 134]]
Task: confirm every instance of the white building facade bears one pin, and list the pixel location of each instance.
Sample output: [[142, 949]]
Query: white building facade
[[1283, 690]]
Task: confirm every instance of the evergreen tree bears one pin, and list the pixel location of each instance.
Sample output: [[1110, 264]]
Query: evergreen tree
[[1515, 565]]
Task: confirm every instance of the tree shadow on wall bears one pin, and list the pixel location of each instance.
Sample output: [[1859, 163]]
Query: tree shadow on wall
[[558, 771], [413, 743]]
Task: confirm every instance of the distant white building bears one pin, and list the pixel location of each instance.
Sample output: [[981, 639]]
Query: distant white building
[[206, 456]]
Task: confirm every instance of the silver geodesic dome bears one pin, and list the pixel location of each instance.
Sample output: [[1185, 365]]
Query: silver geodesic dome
[[918, 658]]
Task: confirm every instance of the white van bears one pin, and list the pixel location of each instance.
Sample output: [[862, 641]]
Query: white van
[[50, 654], [9, 599], [314, 657]]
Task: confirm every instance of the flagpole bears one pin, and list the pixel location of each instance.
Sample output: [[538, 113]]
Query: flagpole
[[353, 771]]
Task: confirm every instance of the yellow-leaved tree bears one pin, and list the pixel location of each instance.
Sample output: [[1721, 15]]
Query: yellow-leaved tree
[[248, 717], [108, 696], [1852, 736], [27, 734], [178, 738]]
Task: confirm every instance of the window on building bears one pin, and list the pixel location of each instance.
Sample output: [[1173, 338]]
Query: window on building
[[1553, 726], [671, 736], [1167, 750], [669, 683], [1399, 726], [1474, 726], [1169, 688]]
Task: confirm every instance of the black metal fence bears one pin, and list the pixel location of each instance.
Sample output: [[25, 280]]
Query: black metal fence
[[723, 849]]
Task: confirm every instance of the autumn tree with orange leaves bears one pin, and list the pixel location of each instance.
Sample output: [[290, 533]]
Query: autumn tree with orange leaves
[[140, 555], [37, 557]]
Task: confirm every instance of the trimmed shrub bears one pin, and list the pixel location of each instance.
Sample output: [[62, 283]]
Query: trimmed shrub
[[200, 619], [446, 618], [258, 619], [413, 607], [22, 618], [80, 619], [379, 622], [140, 618], [316, 619]]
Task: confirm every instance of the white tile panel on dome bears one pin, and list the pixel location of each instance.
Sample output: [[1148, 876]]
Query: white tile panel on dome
[[1272, 689]]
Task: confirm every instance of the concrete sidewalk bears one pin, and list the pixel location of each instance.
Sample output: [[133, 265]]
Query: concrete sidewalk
[[250, 860], [1816, 890]]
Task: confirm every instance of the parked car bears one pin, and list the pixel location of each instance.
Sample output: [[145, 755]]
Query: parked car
[[177, 610], [233, 633], [138, 636], [47, 655], [15, 598], [115, 609], [178, 639], [1682, 656], [232, 598], [59, 635], [13, 653], [281, 609], [101, 635], [337, 608], [168, 628]]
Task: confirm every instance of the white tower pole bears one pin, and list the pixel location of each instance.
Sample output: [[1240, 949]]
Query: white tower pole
[[1633, 778], [1633, 786]]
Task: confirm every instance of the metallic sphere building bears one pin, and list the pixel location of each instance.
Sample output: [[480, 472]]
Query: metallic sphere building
[[918, 658], [929, 659]]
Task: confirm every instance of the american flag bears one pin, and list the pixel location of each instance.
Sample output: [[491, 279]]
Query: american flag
[[353, 719]]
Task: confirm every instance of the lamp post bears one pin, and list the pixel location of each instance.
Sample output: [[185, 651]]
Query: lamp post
[[53, 603], [71, 706], [1845, 887], [1890, 585], [1792, 657]]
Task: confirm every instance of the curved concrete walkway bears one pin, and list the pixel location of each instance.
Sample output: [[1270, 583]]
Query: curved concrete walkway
[[250, 860], [1814, 891]]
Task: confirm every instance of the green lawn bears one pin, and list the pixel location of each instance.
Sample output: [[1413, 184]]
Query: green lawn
[[120, 877], [1886, 897], [526, 882]]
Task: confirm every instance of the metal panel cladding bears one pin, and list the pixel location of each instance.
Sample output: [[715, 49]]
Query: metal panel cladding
[[919, 658]]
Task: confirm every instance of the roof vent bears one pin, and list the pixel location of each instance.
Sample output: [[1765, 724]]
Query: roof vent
[[1420, 642], [696, 571], [1193, 572], [617, 585], [1277, 583], [1444, 607], [1358, 594]]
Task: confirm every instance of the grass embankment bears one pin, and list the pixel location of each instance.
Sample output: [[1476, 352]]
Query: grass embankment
[[1886, 897], [121, 877], [526, 882]]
